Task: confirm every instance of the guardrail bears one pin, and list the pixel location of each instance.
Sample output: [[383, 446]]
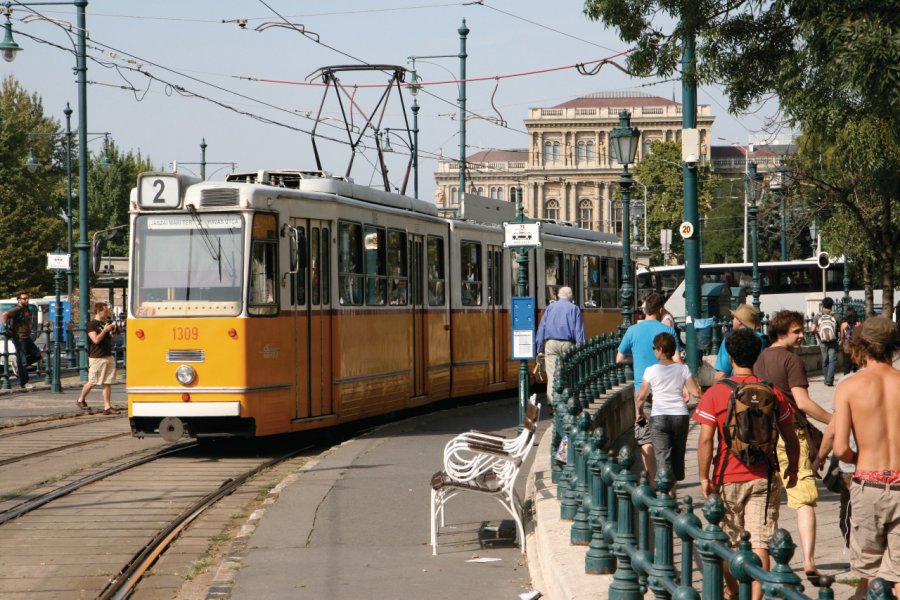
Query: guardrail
[[613, 512]]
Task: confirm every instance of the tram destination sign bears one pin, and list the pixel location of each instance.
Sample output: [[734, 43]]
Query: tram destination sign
[[518, 235]]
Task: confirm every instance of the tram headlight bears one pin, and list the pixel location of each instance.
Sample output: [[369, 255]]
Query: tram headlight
[[185, 374]]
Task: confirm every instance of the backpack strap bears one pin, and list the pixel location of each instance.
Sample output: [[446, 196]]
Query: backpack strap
[[733, 385]]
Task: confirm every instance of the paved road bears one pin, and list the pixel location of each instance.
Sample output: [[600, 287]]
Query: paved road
[[355, 525]]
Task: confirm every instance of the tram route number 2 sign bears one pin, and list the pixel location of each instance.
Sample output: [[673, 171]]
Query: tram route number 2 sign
[[517, 235]]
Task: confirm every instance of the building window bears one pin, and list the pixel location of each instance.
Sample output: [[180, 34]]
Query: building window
[[590, 151], [454, 197], [548, 149], [551, 210], [617, 218], [500, 194], [580, 152], [586, 214], [555, 151]]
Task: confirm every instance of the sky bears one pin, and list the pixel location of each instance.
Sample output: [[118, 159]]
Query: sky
[[165, 75]]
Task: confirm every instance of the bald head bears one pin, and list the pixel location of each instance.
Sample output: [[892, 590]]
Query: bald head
[[565, 292]]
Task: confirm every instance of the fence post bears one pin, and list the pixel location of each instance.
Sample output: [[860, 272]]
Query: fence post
[[879, 589], [683, 522], [625, 581], [738, 562], [712, 573], [716, 335], [4, 382], [663, 566], [580, 532], [559, 415], [781, 549], [567, 481], [598, 559]]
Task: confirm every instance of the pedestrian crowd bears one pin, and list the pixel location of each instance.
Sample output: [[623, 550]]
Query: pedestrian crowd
[[759, 437]]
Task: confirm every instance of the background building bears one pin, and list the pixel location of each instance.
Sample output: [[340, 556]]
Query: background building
[[568, 173]]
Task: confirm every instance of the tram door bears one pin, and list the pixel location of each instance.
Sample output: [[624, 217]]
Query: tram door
[[417, 303], [313, 324], [498, 332]]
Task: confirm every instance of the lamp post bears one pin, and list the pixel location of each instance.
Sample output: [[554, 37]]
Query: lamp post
[[624, 141], [8, 49], [752, 193], [777, 185]]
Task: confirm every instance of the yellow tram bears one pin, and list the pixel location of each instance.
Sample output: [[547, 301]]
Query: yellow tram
[[279, 301]]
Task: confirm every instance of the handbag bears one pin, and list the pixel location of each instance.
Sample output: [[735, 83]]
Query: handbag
[[833, 481], [814, 437]]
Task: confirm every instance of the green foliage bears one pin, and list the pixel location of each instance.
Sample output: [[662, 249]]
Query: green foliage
[[660, 171], [31, 204], [30, 225]]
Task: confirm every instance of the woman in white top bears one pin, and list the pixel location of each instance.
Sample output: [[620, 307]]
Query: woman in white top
[[669, 417]]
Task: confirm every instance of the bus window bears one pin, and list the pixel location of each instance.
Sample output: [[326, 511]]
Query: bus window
[[397, 268], [263, 267], [795, 280], [435, 271], [376, 266], [470, 269], [592, 281], [350, 265], [554, 271]]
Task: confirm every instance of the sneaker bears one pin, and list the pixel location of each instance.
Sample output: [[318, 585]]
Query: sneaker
[[28, 386]]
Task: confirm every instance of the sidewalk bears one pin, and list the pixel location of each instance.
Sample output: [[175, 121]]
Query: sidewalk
[[557, 567], [18, 406]]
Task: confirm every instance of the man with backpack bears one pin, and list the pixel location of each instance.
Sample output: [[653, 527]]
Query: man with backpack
[[826, 329], [17, 323], [747, 416]]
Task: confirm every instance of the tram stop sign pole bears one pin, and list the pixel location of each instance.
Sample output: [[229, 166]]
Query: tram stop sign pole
[[58, 262], [522, 234]]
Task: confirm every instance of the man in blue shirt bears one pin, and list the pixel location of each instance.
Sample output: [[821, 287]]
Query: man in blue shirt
[[637, 347], [745, 317], [561, 328]]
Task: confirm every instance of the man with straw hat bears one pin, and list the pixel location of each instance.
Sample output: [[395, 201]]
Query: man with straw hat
[[745, 317]]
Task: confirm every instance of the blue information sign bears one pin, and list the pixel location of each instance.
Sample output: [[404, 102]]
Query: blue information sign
[[522, 327], [67, 316]]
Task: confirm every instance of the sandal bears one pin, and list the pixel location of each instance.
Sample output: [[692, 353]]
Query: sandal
[[82, 405]]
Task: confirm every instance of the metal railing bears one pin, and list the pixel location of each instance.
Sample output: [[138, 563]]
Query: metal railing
[[614, 512]]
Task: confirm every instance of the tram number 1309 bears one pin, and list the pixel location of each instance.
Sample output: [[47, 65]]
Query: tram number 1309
[[185, 333]]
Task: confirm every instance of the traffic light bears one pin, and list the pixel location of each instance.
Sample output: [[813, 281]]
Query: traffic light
[[823, 260]]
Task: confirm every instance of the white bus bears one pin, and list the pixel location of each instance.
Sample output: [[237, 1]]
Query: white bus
[[794, 285]]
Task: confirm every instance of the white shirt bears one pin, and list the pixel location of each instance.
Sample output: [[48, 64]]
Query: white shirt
[[666, 383]]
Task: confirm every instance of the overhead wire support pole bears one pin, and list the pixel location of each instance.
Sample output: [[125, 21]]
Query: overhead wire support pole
[[691, 210], [463, 32]]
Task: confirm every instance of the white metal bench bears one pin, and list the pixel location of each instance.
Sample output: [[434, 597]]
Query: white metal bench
[[486, 463]]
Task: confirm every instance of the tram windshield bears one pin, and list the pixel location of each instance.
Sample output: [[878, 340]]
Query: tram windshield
[[187, 265]]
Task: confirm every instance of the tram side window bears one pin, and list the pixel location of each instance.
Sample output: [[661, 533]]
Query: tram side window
[[300, 277], [376, 266], [435, 271], [592, 287], [326, 266], [263, 267], [315, 267], [495, 277], [553, 274], [350, 264], [470, 268], [572, 276], [397, 267], [609, 276]]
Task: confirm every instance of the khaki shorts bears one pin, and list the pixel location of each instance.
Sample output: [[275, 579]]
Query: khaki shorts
[[102, 371], [806, 492], [874, 522], [746, 509]]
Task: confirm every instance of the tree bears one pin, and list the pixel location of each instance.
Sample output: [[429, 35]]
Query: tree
[[661, 173], [30, 225], [833, 68]]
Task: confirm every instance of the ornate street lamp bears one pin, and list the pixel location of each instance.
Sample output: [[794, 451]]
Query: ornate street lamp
[[624, 142], [751, 181], [8, 48]]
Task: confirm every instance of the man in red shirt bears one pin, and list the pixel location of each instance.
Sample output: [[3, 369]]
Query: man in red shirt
[[751, 496]]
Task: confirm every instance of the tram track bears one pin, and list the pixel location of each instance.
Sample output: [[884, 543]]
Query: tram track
[[104, 531]]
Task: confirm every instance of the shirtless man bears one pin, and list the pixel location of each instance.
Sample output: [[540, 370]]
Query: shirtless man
[[868, 404]]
